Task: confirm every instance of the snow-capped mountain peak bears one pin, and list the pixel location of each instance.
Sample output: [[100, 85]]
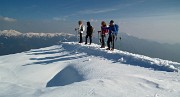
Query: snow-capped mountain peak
[[14, 33], [10, 33]]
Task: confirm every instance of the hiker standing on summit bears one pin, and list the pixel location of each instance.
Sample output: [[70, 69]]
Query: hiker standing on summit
[[89, 32], [80, 31], [113, 30], [103, 33]]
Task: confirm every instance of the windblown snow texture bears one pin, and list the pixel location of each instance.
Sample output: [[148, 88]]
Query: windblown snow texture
[[77, 70]]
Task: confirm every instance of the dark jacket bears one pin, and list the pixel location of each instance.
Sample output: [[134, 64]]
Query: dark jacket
[[89, 30]]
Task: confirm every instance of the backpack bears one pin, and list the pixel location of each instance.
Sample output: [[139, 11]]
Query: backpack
[[116, 29], [92, 29]]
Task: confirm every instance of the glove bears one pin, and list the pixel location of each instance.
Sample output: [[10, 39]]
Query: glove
[[112, 33]]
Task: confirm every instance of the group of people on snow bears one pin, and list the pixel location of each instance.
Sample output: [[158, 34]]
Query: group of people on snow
[[110, 30]]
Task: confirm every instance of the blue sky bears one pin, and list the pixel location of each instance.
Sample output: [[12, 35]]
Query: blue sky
[[136, 17], [77, 9]]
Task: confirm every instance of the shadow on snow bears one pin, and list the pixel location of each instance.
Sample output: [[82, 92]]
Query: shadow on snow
[[66, 76], [115, 57], [77, 50]]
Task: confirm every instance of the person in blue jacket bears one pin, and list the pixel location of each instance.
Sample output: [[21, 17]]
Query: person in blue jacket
[[112, 35]]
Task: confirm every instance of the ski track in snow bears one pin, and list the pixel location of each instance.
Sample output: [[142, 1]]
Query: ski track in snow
[[78, 70]]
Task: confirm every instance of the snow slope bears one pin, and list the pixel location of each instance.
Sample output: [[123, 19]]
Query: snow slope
[[78, 70]]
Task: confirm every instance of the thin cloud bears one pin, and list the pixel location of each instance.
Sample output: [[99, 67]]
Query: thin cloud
[[93, 20], [59, 19], [7, 19], [115, 8], [96, 11]]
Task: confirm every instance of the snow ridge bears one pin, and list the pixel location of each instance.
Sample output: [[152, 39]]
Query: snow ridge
[[71, 69], [126, 57]]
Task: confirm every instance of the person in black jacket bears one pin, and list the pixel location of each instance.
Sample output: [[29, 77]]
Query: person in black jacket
[[89, 32]]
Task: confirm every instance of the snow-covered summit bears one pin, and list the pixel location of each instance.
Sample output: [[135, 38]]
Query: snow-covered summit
[[14, 33], [77, 70], [130, 58], [10, 33]]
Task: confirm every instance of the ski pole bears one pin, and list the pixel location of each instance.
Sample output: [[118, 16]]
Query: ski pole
[[98, 36], [119, 43], [76, 29]]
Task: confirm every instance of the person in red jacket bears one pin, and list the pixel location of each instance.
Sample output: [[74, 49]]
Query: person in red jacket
[[104, 31]]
